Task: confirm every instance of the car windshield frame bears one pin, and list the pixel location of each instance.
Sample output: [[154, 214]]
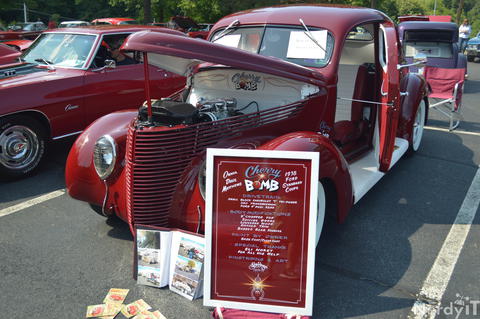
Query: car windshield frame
[[71, 50], [277, 34]]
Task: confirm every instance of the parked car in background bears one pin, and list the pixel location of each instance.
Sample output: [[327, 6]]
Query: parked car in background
[[181, 23], [114, 21], [280, 78], [69, 79], [432, 18], [437, 40], [159, 24], [473, 48], [73, 24], [200, 32], [19, 45], [8, 55], [26, 30]]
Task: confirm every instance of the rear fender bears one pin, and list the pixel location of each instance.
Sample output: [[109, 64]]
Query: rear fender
[[417, 90], [333, 166], [82, 181]]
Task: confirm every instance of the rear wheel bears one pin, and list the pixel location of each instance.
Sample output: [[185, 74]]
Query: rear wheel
[[418, 126], [470, 58], [22, 146], [321, 201]]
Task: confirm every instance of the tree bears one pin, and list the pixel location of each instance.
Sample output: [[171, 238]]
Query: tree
[[411, 7], [147, 11]]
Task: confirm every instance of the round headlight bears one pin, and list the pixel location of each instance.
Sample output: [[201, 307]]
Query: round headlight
[[202, 179], [105, 156]]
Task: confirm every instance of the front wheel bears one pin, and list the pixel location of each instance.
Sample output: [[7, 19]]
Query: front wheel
[[22, 146], [418, 126]]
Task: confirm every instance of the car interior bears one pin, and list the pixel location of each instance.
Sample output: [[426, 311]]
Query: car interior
[[104, 50], [355, 116]]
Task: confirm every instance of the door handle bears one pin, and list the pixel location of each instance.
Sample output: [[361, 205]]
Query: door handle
[[381, 90]]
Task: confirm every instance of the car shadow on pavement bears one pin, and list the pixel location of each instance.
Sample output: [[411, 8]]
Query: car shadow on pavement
[[376, 262], [119, 229]]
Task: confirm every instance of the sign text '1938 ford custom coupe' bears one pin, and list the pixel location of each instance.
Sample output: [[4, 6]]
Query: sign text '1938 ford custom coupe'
[[299, 78]]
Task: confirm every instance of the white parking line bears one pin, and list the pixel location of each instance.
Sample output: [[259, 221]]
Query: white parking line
[[430, 296], [448, 131], [31, 202]]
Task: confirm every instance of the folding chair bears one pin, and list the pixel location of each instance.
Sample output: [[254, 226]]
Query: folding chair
[[446, 88]]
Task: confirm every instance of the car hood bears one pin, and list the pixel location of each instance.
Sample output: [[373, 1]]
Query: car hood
[[475, 40], [181, 54], [27, 73]]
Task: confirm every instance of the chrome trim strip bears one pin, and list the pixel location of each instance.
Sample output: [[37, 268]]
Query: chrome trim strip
[[104, 205], [199, 210], [66, 135]]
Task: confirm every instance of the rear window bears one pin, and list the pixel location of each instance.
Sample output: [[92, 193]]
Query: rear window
[[287, 43], [429, 35]]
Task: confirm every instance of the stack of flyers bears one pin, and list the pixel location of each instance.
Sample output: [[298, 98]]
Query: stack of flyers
[[149, 315], [113, 304], [135, 308], [104, 310]]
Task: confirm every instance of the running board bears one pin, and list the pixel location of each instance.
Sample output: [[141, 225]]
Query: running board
[[364, 172]]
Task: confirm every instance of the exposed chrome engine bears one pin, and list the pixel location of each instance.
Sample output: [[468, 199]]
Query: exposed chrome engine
[[167, 112]]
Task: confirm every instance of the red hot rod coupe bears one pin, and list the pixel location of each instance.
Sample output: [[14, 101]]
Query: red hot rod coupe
[[68, 79], [284, 78]]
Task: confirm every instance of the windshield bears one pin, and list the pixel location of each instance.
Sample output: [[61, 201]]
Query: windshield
[[60, 49], [287, 43]]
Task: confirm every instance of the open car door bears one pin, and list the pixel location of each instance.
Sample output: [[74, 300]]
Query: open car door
[[390, 95]]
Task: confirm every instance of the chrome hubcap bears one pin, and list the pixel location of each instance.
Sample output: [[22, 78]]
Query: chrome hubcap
[[19, 146]]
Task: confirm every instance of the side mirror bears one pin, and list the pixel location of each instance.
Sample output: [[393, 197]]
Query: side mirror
[[419, 60], [110, 64]]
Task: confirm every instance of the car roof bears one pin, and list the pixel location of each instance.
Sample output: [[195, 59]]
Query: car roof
[[336, 18], [428, 25], [75, 21], [112, 19], [106, 29]]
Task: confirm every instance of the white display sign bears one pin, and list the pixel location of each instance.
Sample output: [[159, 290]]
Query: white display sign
[[300, 46], [231, 40]]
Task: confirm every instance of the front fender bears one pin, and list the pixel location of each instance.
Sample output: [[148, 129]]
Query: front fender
[[82, 181], [333, 165], [416, 87]]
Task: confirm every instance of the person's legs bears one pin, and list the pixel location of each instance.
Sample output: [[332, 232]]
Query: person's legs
[[463, 44]]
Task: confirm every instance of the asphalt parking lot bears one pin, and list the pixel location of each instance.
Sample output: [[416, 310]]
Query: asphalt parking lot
[[57, 256]]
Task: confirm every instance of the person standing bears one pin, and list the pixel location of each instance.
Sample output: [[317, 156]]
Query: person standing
[[463, 34]]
